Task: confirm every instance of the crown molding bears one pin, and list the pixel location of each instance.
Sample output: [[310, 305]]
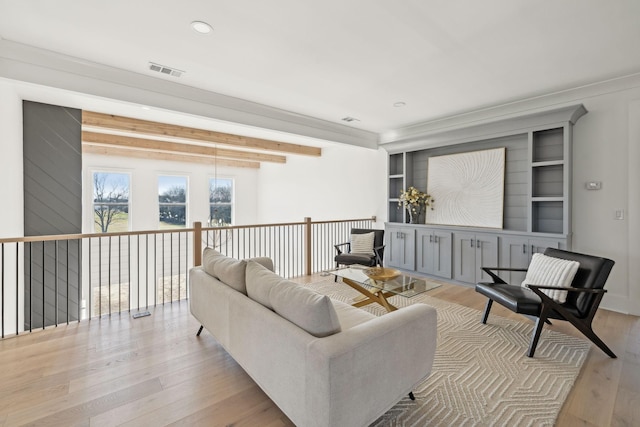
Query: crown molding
[[29, 64], [538, 105]]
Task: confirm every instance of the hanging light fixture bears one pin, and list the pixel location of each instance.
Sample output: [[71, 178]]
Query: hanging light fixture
[[215, 182]]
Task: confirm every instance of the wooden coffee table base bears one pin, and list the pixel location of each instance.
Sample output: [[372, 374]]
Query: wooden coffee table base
[[371, 297]]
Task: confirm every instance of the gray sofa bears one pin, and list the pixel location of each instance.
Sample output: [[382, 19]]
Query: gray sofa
[[322, 362]]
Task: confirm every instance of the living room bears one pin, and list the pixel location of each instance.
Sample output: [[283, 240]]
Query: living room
[[605, 149]]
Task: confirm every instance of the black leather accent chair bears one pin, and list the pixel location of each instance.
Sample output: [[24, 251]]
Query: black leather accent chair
[[345, 257], [582, 302]]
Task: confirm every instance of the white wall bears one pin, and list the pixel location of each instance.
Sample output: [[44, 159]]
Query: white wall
[[344, 183], [11, 194]]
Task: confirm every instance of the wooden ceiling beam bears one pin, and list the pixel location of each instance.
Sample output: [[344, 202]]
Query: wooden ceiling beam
[[110, 121], [108, 150], [177, 147]]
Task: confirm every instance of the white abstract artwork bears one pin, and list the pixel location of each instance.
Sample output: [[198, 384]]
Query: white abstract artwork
[[468, 188]]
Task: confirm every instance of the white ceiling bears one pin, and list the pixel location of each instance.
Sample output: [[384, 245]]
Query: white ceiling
[[329, 59]]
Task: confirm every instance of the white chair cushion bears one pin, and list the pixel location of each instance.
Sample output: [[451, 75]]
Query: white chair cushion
[[551, 271], [362, 243]]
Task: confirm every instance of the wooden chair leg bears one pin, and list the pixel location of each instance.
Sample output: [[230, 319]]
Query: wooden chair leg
[[536, 336], [487, 310], [588, 332]]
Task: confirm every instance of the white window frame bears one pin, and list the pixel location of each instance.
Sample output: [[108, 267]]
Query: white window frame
[[92, 173], [186, 198]]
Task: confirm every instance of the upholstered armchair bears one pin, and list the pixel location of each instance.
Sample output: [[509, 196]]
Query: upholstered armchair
[[576, 303], [366, 247]]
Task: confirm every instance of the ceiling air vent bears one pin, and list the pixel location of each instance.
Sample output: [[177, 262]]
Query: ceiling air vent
[[165, 70]]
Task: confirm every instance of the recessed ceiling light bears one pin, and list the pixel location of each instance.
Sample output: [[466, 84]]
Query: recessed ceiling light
[[399, 104], [201, 27]]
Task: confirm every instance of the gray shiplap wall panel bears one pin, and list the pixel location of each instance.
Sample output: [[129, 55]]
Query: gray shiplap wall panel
[[516, 173], [52, 205]]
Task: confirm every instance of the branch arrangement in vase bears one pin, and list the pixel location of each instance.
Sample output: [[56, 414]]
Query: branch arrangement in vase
[[414, 201]]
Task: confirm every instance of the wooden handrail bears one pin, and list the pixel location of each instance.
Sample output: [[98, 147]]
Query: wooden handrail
[[53, 237]]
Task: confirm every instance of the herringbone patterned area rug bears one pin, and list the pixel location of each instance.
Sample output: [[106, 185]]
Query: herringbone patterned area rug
[[481, 375]]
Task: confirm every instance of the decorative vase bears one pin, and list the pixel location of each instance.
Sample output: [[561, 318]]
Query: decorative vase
[[414, 217]]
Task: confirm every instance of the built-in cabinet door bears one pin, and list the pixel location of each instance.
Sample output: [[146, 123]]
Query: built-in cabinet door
[[486, 256], [464, 257], [424, 251], [442, 242], [471, 253], [400, 248], [516, 252], [433, 252]]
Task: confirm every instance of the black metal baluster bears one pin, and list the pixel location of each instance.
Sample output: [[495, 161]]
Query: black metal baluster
[[170, 268], [119, 274], [17, 285], [90, 302], [3, 298], [155, 269], [55, 283], [163, 263], [129, 270], [30, 287], [99, 276], [80, 277], [147, 275], [43, 291], [109, 278]]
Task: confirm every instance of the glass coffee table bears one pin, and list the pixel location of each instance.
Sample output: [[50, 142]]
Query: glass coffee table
[[379, 290]]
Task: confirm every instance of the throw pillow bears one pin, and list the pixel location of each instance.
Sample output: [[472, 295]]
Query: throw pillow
[[260, 281], [308, 310], [229, 271], [551, 271], [362, 243], [263, 261]]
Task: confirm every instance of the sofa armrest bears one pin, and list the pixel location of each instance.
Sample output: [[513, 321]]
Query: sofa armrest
[[362, 372]]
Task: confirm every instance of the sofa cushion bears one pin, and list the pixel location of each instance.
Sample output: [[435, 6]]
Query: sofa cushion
[[260, 281], [551, 271], [230, 271], [307, 309], [264, 261], [350, 316]]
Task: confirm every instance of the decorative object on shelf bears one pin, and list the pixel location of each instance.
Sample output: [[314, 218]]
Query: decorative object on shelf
[[381, 274], [414, 201]]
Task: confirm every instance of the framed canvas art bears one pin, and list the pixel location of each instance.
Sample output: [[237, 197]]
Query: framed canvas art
[[467, 188]]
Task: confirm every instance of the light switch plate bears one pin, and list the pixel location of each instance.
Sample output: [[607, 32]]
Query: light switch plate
[[593, 185], [619, 214]]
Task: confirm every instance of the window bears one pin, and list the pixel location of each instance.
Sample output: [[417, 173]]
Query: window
[[220, 201], [110, 202], [172, 201]]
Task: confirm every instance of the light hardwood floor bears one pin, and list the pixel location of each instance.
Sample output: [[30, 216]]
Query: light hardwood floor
[[154, 371]]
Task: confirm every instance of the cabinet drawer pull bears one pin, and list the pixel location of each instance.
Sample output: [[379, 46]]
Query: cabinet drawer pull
[[471, 242], [436, 239], [430, 238], [524, 248]]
